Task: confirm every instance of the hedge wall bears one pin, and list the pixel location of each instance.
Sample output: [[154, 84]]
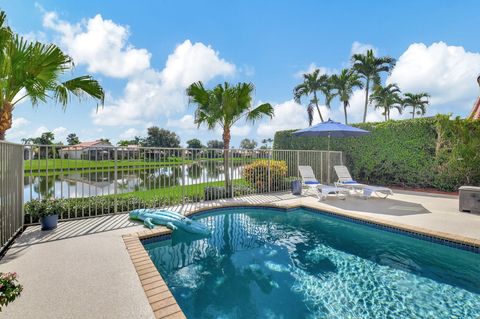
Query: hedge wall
[[426, 152]]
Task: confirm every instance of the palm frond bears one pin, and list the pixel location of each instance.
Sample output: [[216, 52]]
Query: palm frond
[[262, 110], [82, 86]]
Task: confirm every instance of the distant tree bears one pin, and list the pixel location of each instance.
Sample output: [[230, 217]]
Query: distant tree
[[418, 102], [266, 143], [248, 144], [34, 70], [344, 83], [105, 140], [28, 140], [123, 143], [159, 137], [215, 144], [72, 139], [312, 84], [370, 67], [194, 143], [45, 139], [387, 98], [137, 140]]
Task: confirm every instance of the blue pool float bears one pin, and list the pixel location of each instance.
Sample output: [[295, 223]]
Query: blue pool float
[[172, 220]]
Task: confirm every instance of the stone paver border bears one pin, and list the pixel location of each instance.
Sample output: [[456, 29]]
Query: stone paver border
[[158, 294]]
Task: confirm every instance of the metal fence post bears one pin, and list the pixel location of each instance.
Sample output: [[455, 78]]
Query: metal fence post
[[184, 171], [298, 162], [268, 172], [115, 183]]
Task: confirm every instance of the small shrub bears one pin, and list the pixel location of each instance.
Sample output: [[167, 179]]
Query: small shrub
[[257, 175], [9, 288], [219, 192], [38, 208]]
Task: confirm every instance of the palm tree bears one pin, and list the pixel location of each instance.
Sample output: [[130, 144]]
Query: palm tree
[[312, 83], [224, 105], [370, 67], [343, 84], [418, 102], [387, 98], [33, 70]]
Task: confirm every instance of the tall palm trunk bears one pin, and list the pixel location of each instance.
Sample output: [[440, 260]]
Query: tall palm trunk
[[5, 119], [345, 104], [413, 113], [316, 104], [367, 87], [226, 149]]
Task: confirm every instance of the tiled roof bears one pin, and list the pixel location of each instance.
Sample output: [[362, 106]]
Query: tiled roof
[[475, 114], [82, 146]]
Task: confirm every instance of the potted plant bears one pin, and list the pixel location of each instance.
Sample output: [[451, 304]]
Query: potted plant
[[46, 210], [9, 288]]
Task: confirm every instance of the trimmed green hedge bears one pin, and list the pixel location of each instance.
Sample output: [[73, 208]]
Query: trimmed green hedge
[[426, 152]]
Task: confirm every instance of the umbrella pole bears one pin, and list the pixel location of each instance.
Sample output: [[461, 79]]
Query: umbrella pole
[[328, 159]]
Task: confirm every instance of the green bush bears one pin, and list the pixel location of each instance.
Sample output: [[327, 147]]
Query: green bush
[[426, 152], [257, 175], [458, 153], [219, 192]]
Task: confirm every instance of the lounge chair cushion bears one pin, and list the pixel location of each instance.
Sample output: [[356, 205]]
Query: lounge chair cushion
[[349, 182], [312, 183]]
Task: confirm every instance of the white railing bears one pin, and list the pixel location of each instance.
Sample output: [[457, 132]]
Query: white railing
[[11, 192], [100, 180]]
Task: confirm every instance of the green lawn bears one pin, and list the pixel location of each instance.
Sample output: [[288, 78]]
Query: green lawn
[[56, 166], [71, 164], [174, 193]]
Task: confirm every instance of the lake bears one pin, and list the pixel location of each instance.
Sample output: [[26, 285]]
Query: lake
[[77, 184]]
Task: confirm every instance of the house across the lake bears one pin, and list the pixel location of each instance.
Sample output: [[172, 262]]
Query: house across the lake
[[94, 150]]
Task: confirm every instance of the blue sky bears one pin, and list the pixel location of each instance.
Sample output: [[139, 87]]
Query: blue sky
[[146, 53]]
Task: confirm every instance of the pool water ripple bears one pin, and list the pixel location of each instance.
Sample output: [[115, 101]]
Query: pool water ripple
[[272, 264]]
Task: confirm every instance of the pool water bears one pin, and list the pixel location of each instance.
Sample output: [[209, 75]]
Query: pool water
[[264, 263]]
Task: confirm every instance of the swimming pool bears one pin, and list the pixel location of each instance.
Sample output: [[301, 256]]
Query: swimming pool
[[270, 263]]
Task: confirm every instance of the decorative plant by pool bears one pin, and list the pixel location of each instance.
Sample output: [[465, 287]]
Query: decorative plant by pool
[[46, 210], [9, 288], [257, 175]]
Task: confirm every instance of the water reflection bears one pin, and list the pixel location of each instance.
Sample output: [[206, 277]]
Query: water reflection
[[78, 184]]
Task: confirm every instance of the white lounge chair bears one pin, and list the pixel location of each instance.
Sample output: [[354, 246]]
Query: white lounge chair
[[321, 191], [346, 180]]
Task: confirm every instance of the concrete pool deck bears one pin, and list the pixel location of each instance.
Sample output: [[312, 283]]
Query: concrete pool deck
[[82, 269]]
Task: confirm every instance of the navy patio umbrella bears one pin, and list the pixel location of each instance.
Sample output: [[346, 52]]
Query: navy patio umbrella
[[331, 129]]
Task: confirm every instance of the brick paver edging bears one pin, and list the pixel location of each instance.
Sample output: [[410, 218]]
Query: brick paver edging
[[158, 294]]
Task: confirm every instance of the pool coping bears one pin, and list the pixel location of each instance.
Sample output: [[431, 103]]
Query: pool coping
[[163, 302]]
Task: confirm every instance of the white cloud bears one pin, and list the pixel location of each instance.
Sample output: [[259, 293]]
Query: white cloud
[[241, 130], [60, 133], [152, 93], [19, 122], [447, 73], [38, 36], [288, 115], [193, 62], [362, 48], [100, 44], [40, 130], [312, 67], [130, 134], [185, 123]]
